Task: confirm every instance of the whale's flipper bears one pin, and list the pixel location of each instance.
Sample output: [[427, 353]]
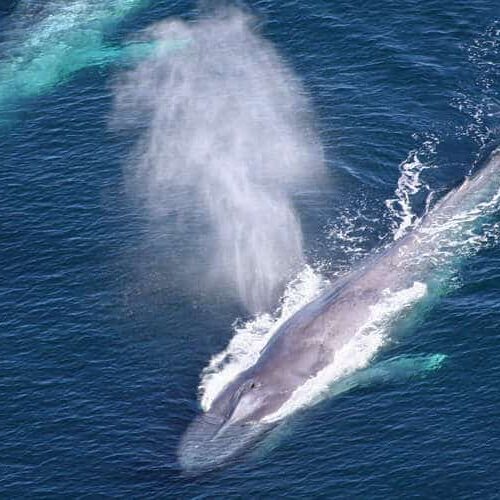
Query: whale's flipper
[[394, 370], [398, 369]]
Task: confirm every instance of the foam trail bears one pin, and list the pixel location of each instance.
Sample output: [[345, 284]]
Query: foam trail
[[229, 140], [50, 43], [409, 185]]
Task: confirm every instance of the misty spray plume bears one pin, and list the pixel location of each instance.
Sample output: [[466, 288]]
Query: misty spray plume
[[227, 136]]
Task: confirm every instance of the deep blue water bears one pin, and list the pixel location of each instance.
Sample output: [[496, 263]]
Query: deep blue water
[[102, 343]]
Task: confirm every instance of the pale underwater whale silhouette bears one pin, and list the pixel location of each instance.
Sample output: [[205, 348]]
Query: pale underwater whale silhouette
[[313, 339], [62, 41]]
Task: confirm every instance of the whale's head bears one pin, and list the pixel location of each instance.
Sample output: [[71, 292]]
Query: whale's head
[[236, 418]]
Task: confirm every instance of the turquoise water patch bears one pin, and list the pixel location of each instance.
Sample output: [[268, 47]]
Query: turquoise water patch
[[60, 41]]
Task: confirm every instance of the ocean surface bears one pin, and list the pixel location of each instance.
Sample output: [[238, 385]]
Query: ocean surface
[[177, 178]]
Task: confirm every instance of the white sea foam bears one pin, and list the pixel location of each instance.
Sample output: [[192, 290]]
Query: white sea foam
[[349, 234], [409, 184]]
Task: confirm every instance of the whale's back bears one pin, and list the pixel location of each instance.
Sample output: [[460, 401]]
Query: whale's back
[[308, 341]]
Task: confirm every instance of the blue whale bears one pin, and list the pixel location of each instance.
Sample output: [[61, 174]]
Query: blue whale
[[310, 340]]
